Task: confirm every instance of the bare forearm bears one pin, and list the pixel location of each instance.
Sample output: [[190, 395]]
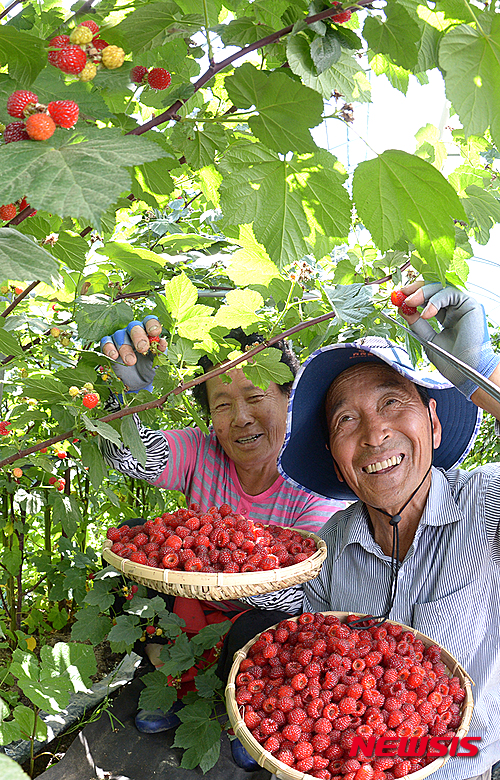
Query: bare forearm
[[485, 401]]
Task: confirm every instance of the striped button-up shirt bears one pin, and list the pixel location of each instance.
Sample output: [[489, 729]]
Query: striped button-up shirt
[[448, 588]]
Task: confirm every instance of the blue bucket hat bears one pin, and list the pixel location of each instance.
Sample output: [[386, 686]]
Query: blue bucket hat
[[306, 462]]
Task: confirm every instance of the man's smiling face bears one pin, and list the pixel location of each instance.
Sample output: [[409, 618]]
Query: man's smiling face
[[380, 434]]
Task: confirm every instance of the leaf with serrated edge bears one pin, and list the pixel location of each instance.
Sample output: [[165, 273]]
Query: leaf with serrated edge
[[23, 52], [266, 367], [156, 694], [180, 296], [397, 36], [22, 258], [343, 76], [351, 302], [399, 194], [132, 440], [73, 175], [103, 429], [470, 58]]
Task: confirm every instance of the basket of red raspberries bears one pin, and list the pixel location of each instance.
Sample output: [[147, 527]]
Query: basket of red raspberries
[[313, 697], [214, 555]]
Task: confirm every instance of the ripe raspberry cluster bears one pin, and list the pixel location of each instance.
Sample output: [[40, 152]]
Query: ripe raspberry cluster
[[90, 398], [218, 540], [398, 298], [10, 210], [157, 78], [58, 482], [342, 16], [4, 428], [40, 121], [82, 51], [310, 686]]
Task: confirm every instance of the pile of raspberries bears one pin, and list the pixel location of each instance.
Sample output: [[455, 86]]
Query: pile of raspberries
[[309, 687], [218, 540]]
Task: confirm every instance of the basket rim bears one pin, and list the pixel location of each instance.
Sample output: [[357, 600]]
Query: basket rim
[[217, 579], [268, 761]]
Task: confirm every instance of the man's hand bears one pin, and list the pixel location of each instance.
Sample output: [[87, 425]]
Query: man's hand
[[129, 347], [464, 331]]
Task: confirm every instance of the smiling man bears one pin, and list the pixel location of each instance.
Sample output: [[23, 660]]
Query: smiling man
[[421, 544]]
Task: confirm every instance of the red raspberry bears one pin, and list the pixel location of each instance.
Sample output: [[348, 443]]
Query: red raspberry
[[170, 561], [347, 706], [158, 78], [15, 131], [365, 772], [150, 630], [99, 44], [93, 27], [299, 681], [71, 59], [272, 744], [141, 539], [138, 73], [252, 720], [286, 756], [292, 732], [304, 764], [40, 127], [8, 212], [408, 310], [139, 557], [341, 19], [64, 112], [114, 534], [193, 564], [342, 723], [351, 765], [59, 41], [303, 750], [89, 400], [398, 298], [402, 769], [19, 100], [297, 716], [117, 547]]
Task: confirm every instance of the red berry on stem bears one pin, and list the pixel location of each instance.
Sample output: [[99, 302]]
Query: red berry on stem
[[93, 27], [138, 73], [59, 41], [40, 127], [15, 131], [90, 400], [158, 78], [18, 101], [64, 112], [150, 630], [99, 44], [71, 59], [8, 212], [397, 298]]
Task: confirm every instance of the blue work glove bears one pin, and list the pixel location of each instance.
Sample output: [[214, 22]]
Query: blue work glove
[[139, 375], [464, 333]]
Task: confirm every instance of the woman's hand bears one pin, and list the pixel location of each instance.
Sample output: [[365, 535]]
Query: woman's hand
[[130, 348]]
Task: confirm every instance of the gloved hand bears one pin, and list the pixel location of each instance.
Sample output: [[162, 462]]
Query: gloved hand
[[464, 331], [129, 347]]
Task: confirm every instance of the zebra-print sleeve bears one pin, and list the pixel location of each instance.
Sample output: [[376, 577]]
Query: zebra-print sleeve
[[288, 600], [121, 459]]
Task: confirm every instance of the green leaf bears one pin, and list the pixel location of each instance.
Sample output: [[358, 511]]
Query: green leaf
[[69, 661], [199, 734], [286, 108], [45, 387], [180, 296], [90, 625], [201, 146], [71, 249], [96, 318], [352, 302], [178, 657], [157, 692], [103, 429], [135, 260], [51, 695], [171, 624], [210, 635], [155, 177], [124, 633], [25, 718], [483, 212], [9, 769], [399, 194], [396, 37], [93, 460], [71, 174], [266, 367], [398, 77], [12, 559], [147, 27], [146, 608], [132, 440], [9, 345], [67, 512], [470, 58], [208, 684], [25, 55], [242, 31], [345, 76], [325, 50], [239, 309], [289, 202], [100, 596], [51, 85], [22, 258]]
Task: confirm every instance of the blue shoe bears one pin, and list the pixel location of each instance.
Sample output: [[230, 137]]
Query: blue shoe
[[154, 721], [242, 758]]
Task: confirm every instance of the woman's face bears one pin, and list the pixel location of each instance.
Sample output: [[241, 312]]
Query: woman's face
[[249, 422]]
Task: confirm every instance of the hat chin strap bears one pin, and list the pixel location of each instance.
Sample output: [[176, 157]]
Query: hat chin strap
[[395, 564]]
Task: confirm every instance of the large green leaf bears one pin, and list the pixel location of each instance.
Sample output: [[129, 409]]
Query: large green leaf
[[399, 194], [24, 54], [483, 211], [239, 309], [21, 258], [286, 109], [51, 85], [43, 386], [96, 318], [71, 174], [72, 661], [135, 260], [289, 202], [67, 512], [470, 58], [90, 625], [398, 36], [157, 692], [180, 296], [242, 31], [71, 249], [267, 367], [151, 24], [199, 146], [132, 440], [199, 735], [125, 632], [10, 769], [345, 76]]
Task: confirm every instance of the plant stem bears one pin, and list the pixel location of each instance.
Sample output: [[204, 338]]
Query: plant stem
[[32, 741], [207, 33], [47, 528]]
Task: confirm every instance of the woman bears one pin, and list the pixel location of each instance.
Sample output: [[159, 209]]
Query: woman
[[235, 463]]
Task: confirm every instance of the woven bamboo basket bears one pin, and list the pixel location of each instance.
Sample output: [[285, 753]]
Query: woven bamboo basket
[[284, 772], [219, 586]]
